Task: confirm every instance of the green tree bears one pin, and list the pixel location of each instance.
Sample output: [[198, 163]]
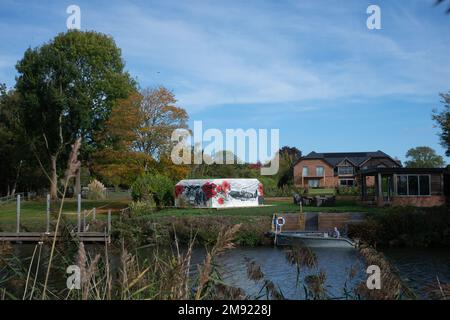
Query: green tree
[[288, 158], [443, 121], [67, 89], [11, 161], [18, 168], [423, 157], [155, 187]]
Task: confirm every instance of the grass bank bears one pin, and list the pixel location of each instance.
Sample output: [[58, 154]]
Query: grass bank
[[33, 213], [206, 223]]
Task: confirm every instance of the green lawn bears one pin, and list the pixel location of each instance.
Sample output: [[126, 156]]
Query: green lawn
[[33, 212], [268, 210]]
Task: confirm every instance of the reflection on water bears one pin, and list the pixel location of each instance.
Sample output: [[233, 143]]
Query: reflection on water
[[336, 262], [417, 267], [420, 267]]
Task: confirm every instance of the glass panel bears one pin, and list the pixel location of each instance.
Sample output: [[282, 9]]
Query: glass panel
[[402, 183], [305, 171], [351, 182], [319, 171], [424, 183], [313, 183], [345, 170], [413, 185]]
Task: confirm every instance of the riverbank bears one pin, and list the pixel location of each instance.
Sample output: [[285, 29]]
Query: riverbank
[[405, 227], [163, 229]]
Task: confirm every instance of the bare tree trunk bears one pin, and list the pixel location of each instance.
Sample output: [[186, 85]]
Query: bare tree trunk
[[53, 178]]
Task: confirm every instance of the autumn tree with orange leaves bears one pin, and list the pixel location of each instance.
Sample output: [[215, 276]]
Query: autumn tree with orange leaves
[[137, 138]]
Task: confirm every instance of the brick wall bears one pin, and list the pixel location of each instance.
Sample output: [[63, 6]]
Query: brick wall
[[329, 181], [428, 201], [327, 221]]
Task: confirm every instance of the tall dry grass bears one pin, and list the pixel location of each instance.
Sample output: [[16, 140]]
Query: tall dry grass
[[392, 287], [164, 274]]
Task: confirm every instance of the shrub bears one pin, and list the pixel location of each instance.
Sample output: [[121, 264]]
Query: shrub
[[96, 190], [156, 187], [350, 191], [140, 208]]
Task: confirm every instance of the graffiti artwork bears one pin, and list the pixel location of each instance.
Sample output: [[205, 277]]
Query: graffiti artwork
[[218, 193]]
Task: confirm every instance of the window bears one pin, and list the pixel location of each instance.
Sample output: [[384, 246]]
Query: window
[[314, 183], [319, 171], [413, 185], [305, 171], [424, 183], [402, 185], [347, 182], [343, 171]]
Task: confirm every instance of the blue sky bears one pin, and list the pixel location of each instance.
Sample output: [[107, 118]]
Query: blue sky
[[310, 68]]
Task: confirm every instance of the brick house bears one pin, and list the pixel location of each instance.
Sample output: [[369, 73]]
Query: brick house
[[330, 170]]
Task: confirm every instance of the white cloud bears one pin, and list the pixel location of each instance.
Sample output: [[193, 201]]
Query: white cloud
[[267, 53]]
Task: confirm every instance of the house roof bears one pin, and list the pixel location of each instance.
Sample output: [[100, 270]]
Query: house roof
[[357, 158], [374, 171]]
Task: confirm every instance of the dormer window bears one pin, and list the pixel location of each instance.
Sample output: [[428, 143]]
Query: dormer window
[[345, 171]]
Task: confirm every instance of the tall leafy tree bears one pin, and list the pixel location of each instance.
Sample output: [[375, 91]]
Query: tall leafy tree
[[288, 158], [67, 89], [442, 119], [423, 157], [10, 144]]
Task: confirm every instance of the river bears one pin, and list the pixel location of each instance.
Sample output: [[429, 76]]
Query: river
[[417, 268]]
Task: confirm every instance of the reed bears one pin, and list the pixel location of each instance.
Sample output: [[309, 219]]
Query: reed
[[224, 242], [392, 287], [438, 290]]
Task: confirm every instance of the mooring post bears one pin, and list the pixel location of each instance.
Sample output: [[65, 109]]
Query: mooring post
[[94, 211], [18, 214], [47, 230], [84, 220], [109, 221]]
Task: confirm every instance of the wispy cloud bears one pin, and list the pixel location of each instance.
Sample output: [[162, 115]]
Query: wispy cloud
[[281, 61], [216, 55]]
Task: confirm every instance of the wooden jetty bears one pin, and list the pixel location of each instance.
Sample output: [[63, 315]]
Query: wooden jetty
[[79, 233], [46, 237]]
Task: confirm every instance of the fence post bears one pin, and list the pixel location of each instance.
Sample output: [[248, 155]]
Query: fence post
[[94, 212], [47, 230], [18, 214], [79, 202], [79, 212], [109, 221]]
